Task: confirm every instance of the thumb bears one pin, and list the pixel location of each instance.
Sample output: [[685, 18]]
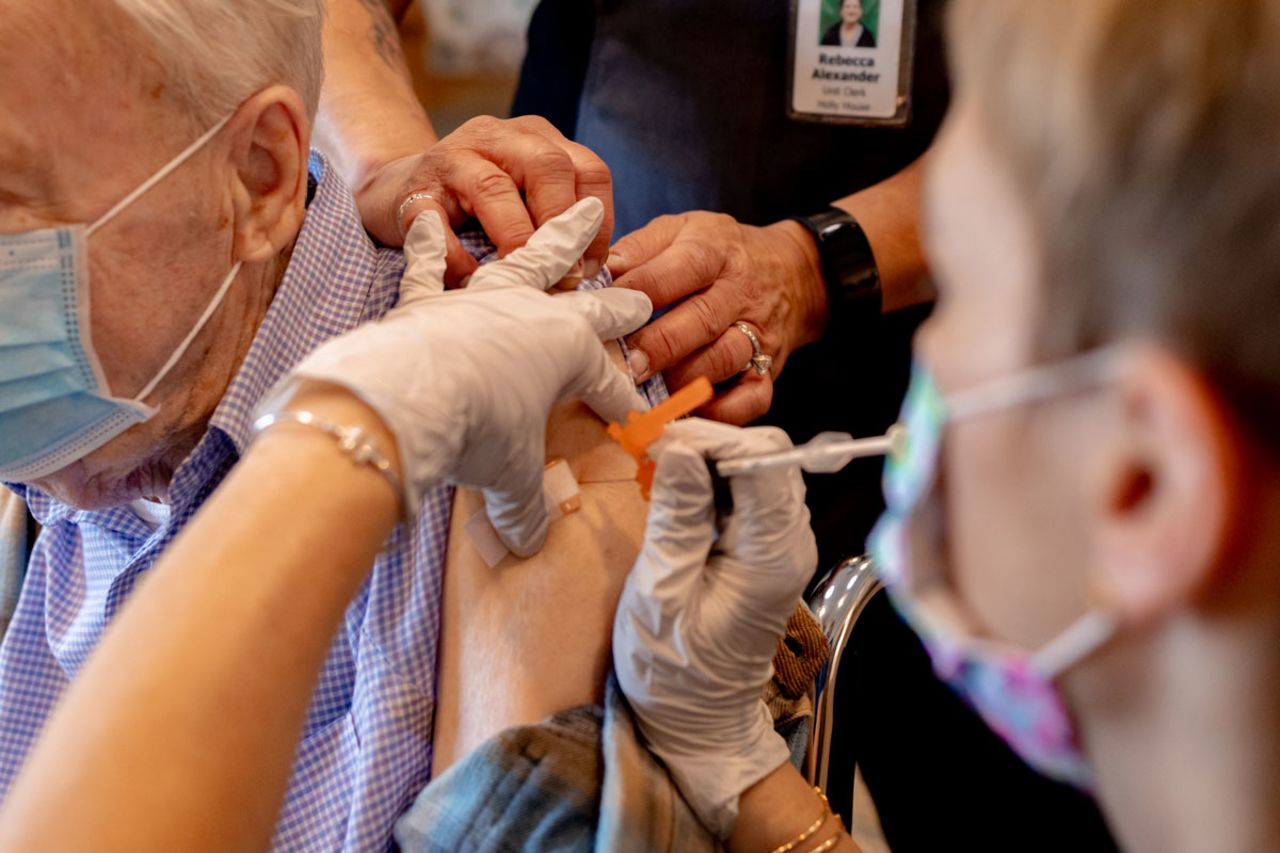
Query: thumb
[[551, 252], [612, 312], [677, 538], [517, 509], [425, 248], [606, 389]]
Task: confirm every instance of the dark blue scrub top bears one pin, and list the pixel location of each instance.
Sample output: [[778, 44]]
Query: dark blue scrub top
[[686, 100]]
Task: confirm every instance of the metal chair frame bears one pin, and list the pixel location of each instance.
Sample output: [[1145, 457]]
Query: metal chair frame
[[838, 601]]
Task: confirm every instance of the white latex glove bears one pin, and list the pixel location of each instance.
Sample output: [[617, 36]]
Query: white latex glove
[[701, 615], [467, 378]]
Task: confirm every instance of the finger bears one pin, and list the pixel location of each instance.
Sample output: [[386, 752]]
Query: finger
[[607, 390], [550, 253], [723, 359], [517, 509], [691, 262], [768, 532], [428, 198], [460, 265], [612, 312], [593, 177], [695, 323], [381, 198], [644, 244], [554, 173], [745, 402], [458, 262], [762, 491], [595, 180], [715, 440], [489, 193], [425, 246], [543, 169]]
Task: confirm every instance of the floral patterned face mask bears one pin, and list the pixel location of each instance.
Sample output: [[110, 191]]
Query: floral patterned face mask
[[1011, 689]]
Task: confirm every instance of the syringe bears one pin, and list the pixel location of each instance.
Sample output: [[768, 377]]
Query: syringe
[[827, 453]]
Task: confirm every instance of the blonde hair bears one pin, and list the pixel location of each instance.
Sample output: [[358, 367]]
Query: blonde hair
[[1145, 140], [216, 53]]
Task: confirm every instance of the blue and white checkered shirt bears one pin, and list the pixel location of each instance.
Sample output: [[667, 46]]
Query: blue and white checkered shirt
[[366, 748]]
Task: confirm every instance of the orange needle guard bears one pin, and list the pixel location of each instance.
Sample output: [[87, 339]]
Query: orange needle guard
[[644, 428]]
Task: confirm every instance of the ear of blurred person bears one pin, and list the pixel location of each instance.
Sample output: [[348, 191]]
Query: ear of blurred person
[[1186, 538], [1178, 504]]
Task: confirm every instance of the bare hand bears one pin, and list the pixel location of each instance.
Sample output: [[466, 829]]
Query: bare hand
[[481, 170], [717, 272]]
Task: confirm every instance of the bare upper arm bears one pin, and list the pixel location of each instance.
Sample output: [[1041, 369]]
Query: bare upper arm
[[528, 638]]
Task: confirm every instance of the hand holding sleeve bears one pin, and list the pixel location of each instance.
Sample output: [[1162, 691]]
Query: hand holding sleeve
[[466, 379]]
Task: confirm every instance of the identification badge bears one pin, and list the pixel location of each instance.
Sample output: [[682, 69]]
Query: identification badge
[[851, 61]]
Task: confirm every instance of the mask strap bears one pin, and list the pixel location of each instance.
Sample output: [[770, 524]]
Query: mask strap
[[1076, 643], [159, 176], [1034, 385], [191, 336]]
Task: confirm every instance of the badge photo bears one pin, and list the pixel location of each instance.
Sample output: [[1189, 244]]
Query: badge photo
[[851, 61]]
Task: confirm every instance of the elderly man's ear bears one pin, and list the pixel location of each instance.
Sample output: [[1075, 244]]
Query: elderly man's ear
[[270, 151]]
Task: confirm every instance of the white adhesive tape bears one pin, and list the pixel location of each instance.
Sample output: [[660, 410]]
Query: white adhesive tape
[[561, 495]]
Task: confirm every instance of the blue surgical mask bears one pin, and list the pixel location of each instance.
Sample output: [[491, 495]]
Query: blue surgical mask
[[55, 404]]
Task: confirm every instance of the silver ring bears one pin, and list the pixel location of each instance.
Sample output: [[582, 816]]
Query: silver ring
[[412, 197], [761, 362]]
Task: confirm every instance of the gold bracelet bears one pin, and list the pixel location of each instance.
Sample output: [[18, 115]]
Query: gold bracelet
[[814, 827], [829, 843]]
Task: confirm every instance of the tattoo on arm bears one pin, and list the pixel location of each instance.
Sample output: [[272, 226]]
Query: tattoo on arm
[[383, 32]]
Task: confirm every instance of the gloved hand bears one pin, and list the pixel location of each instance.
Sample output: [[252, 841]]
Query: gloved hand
[[701, 615], [466, 379]]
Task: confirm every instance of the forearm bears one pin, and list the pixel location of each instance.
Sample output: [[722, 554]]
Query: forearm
[[777, 809], [369, 114], [181, 730], [889, 214]]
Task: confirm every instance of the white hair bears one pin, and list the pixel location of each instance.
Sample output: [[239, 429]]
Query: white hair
[[216, 53]]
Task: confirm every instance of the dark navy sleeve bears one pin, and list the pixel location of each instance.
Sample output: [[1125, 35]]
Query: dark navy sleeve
[[555, 65]]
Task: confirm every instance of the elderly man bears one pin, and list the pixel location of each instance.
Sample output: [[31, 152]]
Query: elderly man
[[134, 350]]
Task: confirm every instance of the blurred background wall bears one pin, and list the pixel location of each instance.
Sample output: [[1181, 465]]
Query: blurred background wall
[[465, 56]]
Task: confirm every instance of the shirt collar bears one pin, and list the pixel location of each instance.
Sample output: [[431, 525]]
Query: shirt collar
[[336, 280]]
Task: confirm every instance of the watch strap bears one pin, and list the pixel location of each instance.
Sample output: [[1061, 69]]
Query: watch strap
[[848, 266]]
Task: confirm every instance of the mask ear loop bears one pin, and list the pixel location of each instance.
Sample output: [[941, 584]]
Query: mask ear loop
[[1085, 636], [159, 176], [141, 190], [1035, 384], [191, 336]]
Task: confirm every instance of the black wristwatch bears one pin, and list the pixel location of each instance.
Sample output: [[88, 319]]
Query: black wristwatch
[[849, 267]]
